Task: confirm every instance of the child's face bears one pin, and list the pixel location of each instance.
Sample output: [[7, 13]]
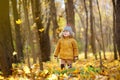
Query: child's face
[[66, 33]]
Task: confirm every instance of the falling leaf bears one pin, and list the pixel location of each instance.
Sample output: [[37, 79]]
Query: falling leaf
[[41, 30], [19, 21], [14, 53], [36, 18]]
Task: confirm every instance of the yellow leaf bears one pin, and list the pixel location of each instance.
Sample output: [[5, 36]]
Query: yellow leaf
[[111, 78], [41, 30], [19, 21], [76, 71], [1, 77], [117, 76], [89, 46], [26, 69], [82, 29], [14, 53], [65, 75], [65, 1], [46, 71], [53, 77], [36, 18]]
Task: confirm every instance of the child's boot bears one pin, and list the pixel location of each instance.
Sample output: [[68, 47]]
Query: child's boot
[[62, 66], [69, 65]]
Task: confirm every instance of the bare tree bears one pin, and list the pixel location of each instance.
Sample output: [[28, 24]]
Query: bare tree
[[36, 16], [114, 30], [86, 31], [93, 45], [70, 15], [6, 45], [117, 12], [45, 39], [29, 35], [101, 29], [53, 18], [19, 47]]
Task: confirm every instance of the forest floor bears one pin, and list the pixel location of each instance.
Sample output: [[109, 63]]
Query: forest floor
[[83, 69]]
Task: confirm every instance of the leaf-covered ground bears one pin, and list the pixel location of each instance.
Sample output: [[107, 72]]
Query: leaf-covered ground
[[82, 70]]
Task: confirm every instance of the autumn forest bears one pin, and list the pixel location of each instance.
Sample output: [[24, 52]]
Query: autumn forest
[[30, 30]]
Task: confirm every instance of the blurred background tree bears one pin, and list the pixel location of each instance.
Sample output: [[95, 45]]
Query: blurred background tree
[[36, 24]]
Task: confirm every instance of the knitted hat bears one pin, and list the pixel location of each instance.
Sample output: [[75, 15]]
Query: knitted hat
[[67, 28]]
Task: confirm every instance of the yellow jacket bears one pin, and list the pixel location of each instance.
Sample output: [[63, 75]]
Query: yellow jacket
[[66, 48]]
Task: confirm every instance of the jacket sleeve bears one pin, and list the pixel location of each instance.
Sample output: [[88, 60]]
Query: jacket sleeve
[[57, 49], [75, 48]]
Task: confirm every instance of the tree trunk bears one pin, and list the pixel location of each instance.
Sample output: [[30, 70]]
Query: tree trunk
[[101, 30], [118, 26], [100, 56], [101, 64], [6, 45], [93, 44], [36, 16], [19, 47], [82, 23], [53, 18], [27, 29], [70, 16], [45, 41], [45, 46], [36, 35], [114, 30], [86, 31]]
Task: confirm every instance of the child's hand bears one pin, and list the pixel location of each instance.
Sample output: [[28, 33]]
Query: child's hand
[[55, 57], [75, 58]]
